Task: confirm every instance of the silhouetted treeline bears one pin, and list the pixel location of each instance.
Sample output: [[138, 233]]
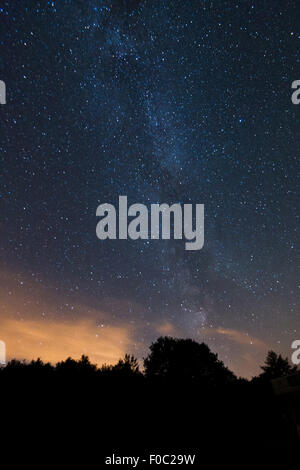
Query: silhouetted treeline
[[184, 397], [170, 359]]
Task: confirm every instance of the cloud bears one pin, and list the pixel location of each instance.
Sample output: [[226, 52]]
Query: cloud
[[239, 350], [166, 328], [38, 322], [54, 340], [241, 337]]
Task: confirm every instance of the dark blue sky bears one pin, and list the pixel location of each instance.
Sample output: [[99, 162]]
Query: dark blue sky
[[163, 102]]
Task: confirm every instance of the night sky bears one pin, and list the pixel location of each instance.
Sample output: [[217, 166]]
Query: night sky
[[164, 102]]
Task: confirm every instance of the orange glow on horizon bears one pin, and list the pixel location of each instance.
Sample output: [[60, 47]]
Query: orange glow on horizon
[[54, 341]]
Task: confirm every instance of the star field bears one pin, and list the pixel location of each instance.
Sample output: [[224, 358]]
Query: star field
[[163, 102]]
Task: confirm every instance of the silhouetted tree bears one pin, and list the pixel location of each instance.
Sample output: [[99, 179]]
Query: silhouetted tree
[[185, 359], [15, 364], [106, 369], [34, 371], [127, 367], [39, 365], [276, 366], [71, 368], [14, 368]]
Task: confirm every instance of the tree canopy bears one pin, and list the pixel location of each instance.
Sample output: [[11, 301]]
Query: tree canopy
[[185, 359], [276, 366]]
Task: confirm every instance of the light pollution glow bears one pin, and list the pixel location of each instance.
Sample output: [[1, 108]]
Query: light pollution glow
[[32, 326]]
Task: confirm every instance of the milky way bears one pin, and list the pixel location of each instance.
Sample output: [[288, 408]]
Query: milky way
[[174, 102]]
